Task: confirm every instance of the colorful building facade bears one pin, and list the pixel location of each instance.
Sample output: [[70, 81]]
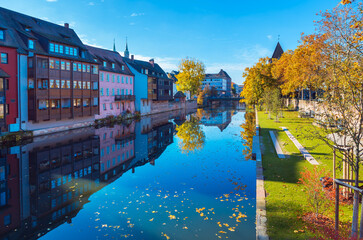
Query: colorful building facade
[[56, 81], [117, 94]]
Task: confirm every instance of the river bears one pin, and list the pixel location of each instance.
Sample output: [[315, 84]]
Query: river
[[168, 176]]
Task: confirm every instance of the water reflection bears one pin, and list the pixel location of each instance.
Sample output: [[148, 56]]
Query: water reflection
[[247, 133], [46, 183], [191, 135]]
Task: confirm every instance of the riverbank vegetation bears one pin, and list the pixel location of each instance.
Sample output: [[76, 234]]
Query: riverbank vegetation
[[329, 63], [287, 202]]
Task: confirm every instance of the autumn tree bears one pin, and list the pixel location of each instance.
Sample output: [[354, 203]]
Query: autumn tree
[[257, 79], [191, 75], [342, 86]]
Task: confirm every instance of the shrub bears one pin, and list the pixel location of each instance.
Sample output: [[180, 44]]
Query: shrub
[[313, 188]]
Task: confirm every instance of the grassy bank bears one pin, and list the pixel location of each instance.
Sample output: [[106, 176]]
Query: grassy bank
[[285, 201]]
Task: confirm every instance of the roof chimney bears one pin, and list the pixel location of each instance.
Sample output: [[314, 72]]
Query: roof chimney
[[151, 61], [66, 25], [132, 57]]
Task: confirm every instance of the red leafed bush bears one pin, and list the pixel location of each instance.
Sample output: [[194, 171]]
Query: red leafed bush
[[317, 201]]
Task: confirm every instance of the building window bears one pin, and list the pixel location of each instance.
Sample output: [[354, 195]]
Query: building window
[[31, 44], [56, 48], [101, 91], [104, 106], [95, 101], [68, 66], [130, 80], [7, 220], [113, 65], [111, 106], [84, 68], [88, 68], [63, 65], [95, 86], [79, 67], [66, 50], [43, 104], [60, 48], [74, 67], [4, 58], [77, 102], [107, 92], [130, 92], [51, 47], [101, 77], [75, 51], [113, 78], [126, 91], [55, 104], [95, 69], [108, 77], [56, 66], [104, 64], [113, 92], [122, 79], [71, 51], [123, 67], [86, 102], [2, 111]]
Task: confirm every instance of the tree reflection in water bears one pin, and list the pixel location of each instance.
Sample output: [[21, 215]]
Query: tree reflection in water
[[191, 135], [249, 130]]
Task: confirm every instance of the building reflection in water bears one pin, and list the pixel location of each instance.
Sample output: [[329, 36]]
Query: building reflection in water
[[46, 183], [220, 119]]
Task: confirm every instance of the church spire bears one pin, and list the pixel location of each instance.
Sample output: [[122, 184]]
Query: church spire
[[126, 53], [114, 45]]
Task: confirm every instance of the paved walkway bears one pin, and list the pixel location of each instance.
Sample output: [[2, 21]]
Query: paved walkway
[[303, 151], [261, 219], [279, 152]]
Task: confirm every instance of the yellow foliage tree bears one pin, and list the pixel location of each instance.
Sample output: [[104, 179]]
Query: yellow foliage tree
[[191, 75]]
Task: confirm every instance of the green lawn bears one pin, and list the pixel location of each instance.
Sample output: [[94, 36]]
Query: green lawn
[[285, 200]]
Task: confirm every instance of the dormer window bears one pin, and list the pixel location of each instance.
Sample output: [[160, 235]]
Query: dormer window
[[123, 67], [31, 44], [27, 29], [146, 71], [113, 65], [2, 34], [104, 64]]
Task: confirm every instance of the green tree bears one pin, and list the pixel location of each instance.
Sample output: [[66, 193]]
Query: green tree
[[191, 75]]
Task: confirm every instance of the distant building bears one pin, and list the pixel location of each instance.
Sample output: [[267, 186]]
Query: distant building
[[116, 83], [221, 81], [239, 89], [152, 83]]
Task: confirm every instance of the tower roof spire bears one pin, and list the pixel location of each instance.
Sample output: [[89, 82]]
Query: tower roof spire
[[114, 45], [126, 53]]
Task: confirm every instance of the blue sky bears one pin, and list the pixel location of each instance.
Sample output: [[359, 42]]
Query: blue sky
[[226, 34]]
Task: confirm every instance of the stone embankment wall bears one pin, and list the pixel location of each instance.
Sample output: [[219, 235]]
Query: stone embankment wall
[[165, 106]]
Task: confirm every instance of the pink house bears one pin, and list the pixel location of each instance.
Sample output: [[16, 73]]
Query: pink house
[[116, 83]]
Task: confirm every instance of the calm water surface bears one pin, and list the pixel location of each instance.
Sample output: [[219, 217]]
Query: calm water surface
[[169, 176]]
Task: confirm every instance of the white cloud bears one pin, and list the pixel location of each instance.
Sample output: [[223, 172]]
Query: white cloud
[[132, 23], [51, 0], [137, 14], [91, 3], [89, 42], [269, 37]]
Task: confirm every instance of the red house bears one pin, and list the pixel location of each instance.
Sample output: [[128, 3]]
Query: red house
[[8, 88]]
